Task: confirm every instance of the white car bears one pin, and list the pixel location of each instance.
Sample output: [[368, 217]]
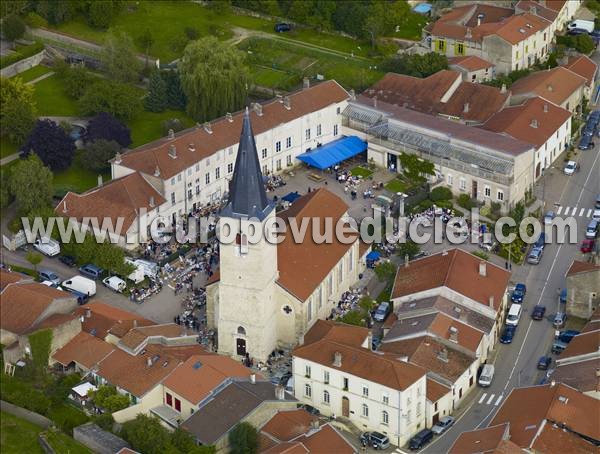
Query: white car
[[115, 283], [570, 168], [596, 215], [47, 246]]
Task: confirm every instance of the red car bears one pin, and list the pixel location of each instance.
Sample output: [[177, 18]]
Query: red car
[[587, 246]]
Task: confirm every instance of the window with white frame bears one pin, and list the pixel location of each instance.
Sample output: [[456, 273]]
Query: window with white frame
[[365, 390], [326, 397], [309, 311], [326, 377], [189, 171], [318, 130], [351, 260], [385, 418], [487, 191], [278, 146], [230, 151], [337, 110], [462, 184], [307, 391], [500, 196], [265, 169], [197, 169], [197, 189], [409, 416], [307, 134], [173, 180], [320, 296], [340, 272], [386, 399], [365, 410], [264, 153], [450, 179], [217, 173], [189, 193], [288, 142], [288, 160], [278, 164], [335, 130], [172, 198], [419, 409], [307, 370], [230, 167], [179, 177], [207, 178]]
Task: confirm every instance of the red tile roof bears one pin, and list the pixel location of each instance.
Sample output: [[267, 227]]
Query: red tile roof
[[470, 63], [10, 277], [137, 336], [556, 84], [117, 199], [326, 440], [85, 350], [581, 267], [22, 304], [435, 390], [534, 121], [443, 93], [480, 441], [54, 321], [582, 344], [554, 439], [225, 133], [536, 8], [457, 270], [583, 66], [287, 425], [100, 319], [463, 19]]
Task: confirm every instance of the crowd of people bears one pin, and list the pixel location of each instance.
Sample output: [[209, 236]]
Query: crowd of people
[[348, 302]]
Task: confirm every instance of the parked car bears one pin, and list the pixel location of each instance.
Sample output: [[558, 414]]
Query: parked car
[[442, 425], [421, 439], [487, 244], [567, 335], [514, 314], [375, 343], [91, 271], [486, 376], [549, 217], [586, 143], [508, 334], [587, 25], [591, 231], [541, 241], [312, 410], [382, 312], [80, 284], [587, 246], [47, 246], [544, 362], [115, 283], [50, 276], [283, 27], [68, 260], [558, 347], [559, 320], [571, 168], [596, 215], [597, 203], [375, 439], [535, 256], [563, 296], [577, 32], [518, 293], [538, 312]]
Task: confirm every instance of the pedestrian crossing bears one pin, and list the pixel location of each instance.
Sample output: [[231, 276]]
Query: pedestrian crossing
[[581, 212], [491, 399]]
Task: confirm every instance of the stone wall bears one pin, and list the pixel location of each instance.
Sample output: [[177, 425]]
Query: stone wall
[[23, 65]]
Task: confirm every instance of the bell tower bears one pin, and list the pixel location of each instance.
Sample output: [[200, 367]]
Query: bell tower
[[246, 315]]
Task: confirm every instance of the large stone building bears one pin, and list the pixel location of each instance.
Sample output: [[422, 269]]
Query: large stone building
[[268, 295], [583, 289]]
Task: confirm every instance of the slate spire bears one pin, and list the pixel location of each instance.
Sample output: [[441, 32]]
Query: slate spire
[[247, 195]]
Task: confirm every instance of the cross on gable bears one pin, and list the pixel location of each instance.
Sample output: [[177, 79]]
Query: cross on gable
[[287, 310]]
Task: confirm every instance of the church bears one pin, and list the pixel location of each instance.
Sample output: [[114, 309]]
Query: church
[[266, 295]]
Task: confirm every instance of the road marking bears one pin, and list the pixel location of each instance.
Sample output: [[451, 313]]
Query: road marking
[[482, 398], [589, 213], [581, 212], [567, 210], [499, 400], [490, 399], [559, 210]]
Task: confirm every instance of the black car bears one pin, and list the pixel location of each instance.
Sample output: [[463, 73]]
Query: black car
[[508, 334], [544, 363], [586, 143], [282, 27], [567, 335], [420, 440], [538, 312], [577, 31], [312, 410], [68, 260], [375, 439]]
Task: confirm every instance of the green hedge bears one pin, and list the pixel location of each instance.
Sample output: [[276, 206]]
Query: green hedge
[[23, 395], [22, 53]]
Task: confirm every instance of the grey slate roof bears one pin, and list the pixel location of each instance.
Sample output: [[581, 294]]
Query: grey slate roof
[[247, 195]]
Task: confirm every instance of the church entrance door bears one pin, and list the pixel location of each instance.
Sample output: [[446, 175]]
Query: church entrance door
[[241, 346], [345, 407]]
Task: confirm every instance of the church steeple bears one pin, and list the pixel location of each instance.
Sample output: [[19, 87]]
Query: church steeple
[[247, 196]]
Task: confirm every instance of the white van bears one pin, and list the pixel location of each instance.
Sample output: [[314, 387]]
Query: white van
[[115, 283], [587, 25], [80, 284], [47, 246], [514, 314], [487, 374]]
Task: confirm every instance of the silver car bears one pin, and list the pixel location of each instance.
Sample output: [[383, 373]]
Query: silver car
[[442, 425], [535, 256]]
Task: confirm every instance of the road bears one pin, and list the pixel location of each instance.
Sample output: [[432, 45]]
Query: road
[[516, 363]]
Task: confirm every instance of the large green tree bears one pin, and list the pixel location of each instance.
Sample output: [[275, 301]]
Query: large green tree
[[112, 97], [31, 184], [243, 439], [17, 109], [98, 152], [214, 77], [156, 99], [13, 27], [119, 58]]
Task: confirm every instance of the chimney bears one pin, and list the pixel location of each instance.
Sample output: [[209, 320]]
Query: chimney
[[337, 359], [171, 134], [279, 392], [118, 158], [207, 127], [135, 323], [491, 302], [375, 101], [305, 83], [552, 383], [534, 123], [533, 10], [157, 172], [370, 341], [443, 355], [503, 89], [287, 103], [172, 151], [404, 359], [253, 378], [88, 313], [444, 252], [257, 107], [314, 424], [352, 94], [279, 98], [453, 334], [151, 202], [549, 87], [99, 180], [468, 34], [466, 107], [406, 261], [149, 362], [482, 268], [191, 147], [545, 107], [478, 20], [229, 117], [64, 206]]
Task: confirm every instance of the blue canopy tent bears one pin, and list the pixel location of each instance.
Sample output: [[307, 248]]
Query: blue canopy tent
[[334, 152], [372, 258], [291, 197], [422, 8]]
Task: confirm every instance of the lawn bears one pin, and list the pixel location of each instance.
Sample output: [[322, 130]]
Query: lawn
[[76, 178], [52, 100], [7, 147], [147, 126], [396, 185], [361, 172], [412, 27], [18, 436], [33, 73], [299, 61]]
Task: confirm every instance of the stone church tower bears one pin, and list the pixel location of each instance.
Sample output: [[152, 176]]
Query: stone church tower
[[245, 315]]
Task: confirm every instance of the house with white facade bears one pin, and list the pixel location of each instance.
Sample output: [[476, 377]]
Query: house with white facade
[[336, 371]]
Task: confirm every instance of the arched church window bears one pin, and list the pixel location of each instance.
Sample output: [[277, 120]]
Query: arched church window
[[241, 330]]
